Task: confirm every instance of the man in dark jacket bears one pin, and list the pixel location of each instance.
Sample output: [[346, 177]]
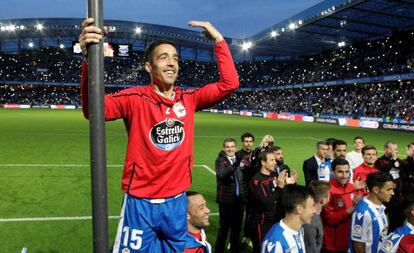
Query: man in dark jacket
[[266, 191], [408, 171], [393, 165], [231, 192], [244, 158], [311, 165]]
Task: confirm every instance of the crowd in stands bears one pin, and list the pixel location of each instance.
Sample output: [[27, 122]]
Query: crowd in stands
[[391, 55], [393, 99]]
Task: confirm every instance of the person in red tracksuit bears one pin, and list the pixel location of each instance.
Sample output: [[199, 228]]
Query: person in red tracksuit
[[159, 119], [369, 154], [336, 215]]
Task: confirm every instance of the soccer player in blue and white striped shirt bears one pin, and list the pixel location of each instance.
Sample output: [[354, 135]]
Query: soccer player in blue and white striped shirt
[[369, 223], [390, 245], [287, 235]]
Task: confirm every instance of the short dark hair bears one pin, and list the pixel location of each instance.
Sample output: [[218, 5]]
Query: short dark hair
[[319, 188], [339, 161], [410, 144], [359, 138], [377, 179], [192, 193], [337, 143], [320, 143], [330, 141], [264, 153], [408, 204], [274, 148], [294, 195], [368, 147], [389, 142], [228, 140], [246, 135], [151, 47]]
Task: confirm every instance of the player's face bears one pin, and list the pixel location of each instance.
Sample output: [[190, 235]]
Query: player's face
[[198, 212], [386, 192], [230, 148], [163, 67], [370, 156], [248, 143], [340, 151], [270, 162], [358, 144], [410, 151], [278, 155], [390, 149], [308, 211], [341, 174], [322, 150]]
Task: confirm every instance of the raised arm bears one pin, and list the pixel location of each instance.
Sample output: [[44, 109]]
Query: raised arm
[[212, 93], [116, 106]]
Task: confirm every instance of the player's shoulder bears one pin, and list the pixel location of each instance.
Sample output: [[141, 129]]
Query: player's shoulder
[[274, 232], [138, 91], [390, 244]]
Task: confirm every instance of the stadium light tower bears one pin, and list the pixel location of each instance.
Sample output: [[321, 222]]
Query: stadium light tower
[[292, 26], [138, 30], [31, 45], [274, 34], [341, 44], [39, 27], [246, 45]]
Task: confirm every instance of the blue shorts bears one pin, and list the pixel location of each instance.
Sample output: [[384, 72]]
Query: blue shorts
[[152, 225]]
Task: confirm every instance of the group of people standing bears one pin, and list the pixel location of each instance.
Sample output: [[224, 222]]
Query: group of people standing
[[359, 201]]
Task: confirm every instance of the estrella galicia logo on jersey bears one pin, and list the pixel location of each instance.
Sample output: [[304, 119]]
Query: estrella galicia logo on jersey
[[168, 134]]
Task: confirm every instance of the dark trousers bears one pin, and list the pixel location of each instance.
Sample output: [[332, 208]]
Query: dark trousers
[[247, 221], [258, 232], [230, 218]]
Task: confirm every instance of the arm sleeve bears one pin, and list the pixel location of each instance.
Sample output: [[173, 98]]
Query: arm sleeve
[[361, 227], [334, 217], [117, 105], [267, 199], [223, 171], [229, 80]]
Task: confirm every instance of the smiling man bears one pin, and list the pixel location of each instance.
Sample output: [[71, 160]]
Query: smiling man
[[287, 235], [197, 221], [159, 119]]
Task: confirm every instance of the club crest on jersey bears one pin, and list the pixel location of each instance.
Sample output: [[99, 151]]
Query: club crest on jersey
[[125, 250], [168, 134], [340, 203], [179, 110]]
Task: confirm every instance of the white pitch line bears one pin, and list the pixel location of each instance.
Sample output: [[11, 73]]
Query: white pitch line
[[69, 218], [208, 169]]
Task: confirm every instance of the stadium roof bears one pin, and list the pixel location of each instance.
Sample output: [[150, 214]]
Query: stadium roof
[[320, 27], [332, 21]]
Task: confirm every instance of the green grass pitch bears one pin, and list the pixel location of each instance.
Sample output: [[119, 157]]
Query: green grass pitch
[[33, 142]]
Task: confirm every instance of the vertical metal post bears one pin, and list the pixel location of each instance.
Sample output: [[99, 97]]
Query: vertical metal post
[[97, 135]]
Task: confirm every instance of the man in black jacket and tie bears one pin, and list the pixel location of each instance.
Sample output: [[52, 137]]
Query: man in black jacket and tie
[[231, 194], [311, 165]]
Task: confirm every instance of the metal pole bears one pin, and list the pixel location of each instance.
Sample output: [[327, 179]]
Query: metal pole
[[97, 135]]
